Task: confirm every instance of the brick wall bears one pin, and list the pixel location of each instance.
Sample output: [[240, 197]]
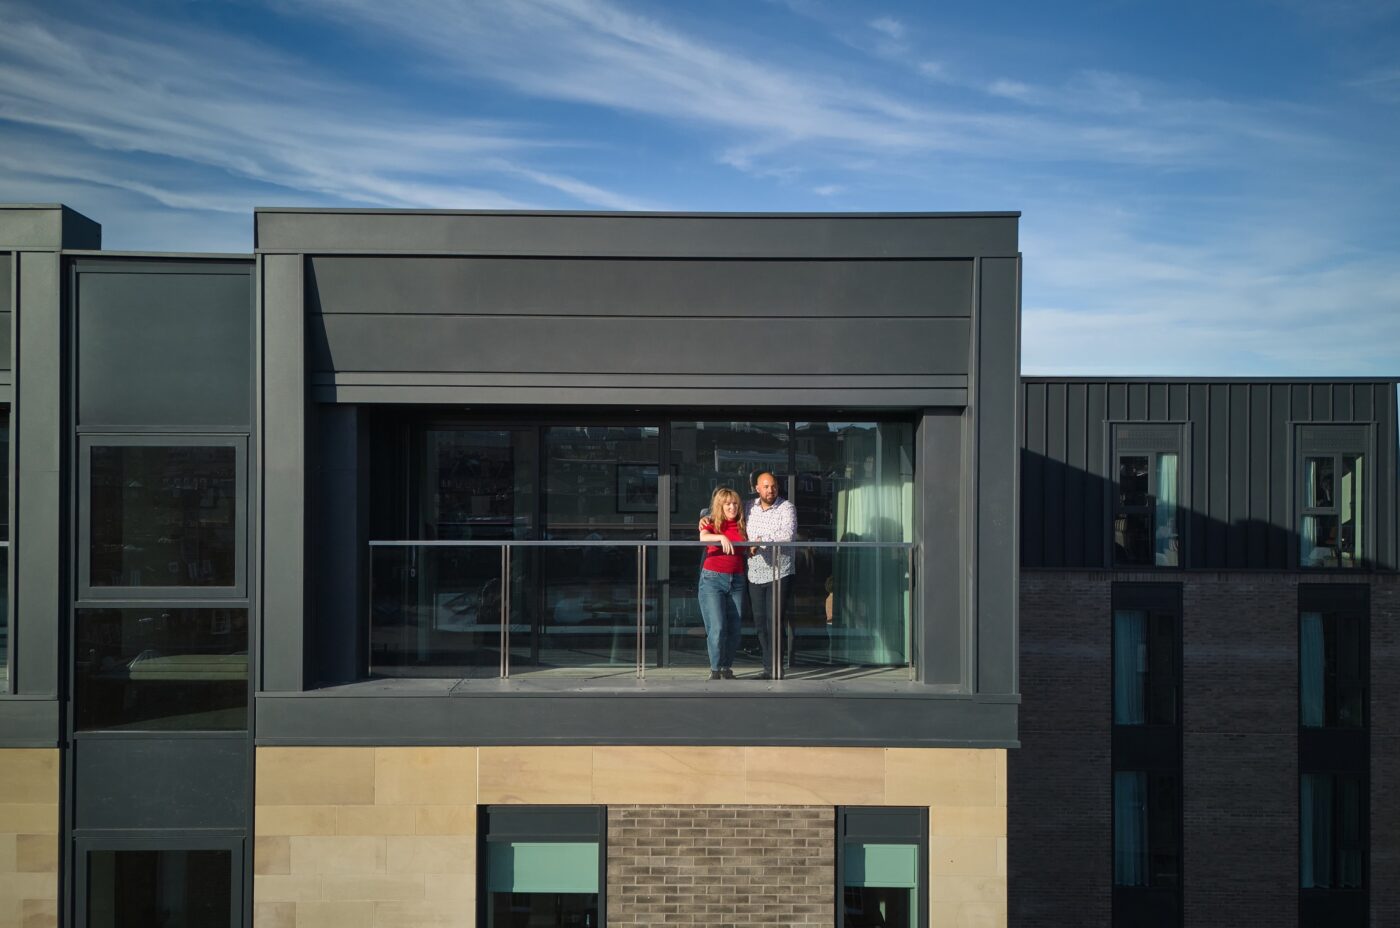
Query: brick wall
[[721, 865], [1240, 743]]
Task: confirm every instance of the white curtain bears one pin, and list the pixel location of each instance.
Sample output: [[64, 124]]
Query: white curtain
[[1307, 541], [1166, 544], [1129, 667], [1130, 828], [1311, 671]]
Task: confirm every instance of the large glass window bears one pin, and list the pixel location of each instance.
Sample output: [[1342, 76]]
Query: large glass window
[[4, 550], [161, 669], [1146, 828], [1146, 513], [1332, 813], [542, 866], [882, 864], [1146, 671], [163, 515], [130, 888], [1333, 511], [1332, 669], [590, 599]]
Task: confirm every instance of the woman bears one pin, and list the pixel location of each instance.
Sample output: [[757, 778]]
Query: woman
[[722, 581]]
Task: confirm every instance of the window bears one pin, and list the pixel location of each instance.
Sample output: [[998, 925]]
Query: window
[[1332, 500], [1146, 828], [542, 866], [1334, 752], [161, 669], [4, 550], [1146, 668], [1147, 772], [141, 882], [164, 514], [1147, 495], [882, 858], [1332, 669], [1332, 818]]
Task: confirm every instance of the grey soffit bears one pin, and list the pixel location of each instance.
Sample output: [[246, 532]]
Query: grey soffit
[[46, 227], [739, 395], [649, 235], [617, 718], [715, 289]]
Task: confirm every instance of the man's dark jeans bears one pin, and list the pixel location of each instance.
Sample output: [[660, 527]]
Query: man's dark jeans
[[761, 601]]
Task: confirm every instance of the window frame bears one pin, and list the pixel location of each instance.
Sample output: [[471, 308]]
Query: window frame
[[522, 814], [166, 841], [89, 595], [1335, 441], [1137, 439], [915, 822]]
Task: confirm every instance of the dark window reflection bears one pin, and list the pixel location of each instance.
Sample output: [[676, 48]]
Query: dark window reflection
[[164, 516], [879, 907], [162, 669], [159, 889], [542, 910], [1146, 828], [1333, 846]]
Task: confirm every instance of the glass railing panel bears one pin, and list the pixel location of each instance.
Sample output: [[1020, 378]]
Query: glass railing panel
[[580, 609], [435, 610], [601, 608]]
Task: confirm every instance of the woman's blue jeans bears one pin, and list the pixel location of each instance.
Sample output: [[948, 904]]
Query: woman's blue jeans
[[722, 608]]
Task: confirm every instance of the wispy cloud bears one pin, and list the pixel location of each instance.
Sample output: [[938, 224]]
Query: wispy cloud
[[249, 114], [603, 54]]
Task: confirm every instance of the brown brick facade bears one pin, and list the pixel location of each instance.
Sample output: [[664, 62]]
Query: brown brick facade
[[721, 865], [1240, 748]]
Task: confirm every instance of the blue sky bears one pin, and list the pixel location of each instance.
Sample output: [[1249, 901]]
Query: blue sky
[[1207, 188]]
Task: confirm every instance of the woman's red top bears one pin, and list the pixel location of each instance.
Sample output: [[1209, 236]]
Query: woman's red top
[[718, 561]]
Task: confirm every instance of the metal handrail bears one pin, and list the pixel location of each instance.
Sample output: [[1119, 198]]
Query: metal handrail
[[641, 542]]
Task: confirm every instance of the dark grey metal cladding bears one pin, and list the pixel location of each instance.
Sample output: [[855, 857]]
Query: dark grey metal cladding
[[1238, 478], [343, 717], [643, 235], [511, 344], [996, 411], [46, 227], [943, 642], [285, 608], [160, 782], [602, 330], [38, 485], [627, 287], [163, 343], [29, 723], [6, 316]]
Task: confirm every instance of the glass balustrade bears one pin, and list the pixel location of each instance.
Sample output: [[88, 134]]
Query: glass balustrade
[[597, 609]]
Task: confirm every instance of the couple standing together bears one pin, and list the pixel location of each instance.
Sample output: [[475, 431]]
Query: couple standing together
[[732, 530]]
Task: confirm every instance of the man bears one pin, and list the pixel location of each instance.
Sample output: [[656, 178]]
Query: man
[[769, 517]]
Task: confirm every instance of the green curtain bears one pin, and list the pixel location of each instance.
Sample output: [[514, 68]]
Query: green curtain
[[871, 595], [890, 865], [542, 867]]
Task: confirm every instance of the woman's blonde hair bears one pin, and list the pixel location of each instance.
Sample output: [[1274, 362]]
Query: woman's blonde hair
[[721, 496]]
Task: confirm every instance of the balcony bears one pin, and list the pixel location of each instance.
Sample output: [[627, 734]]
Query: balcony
[[566, 613]]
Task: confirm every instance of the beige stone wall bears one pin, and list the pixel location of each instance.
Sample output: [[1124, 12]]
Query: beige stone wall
[[371, 837], [29, 789]]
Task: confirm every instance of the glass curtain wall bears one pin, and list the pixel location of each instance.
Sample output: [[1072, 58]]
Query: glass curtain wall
[[437, 608]]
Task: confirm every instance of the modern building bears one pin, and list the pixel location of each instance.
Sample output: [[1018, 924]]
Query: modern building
[[1210, 661], [353, 580]]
